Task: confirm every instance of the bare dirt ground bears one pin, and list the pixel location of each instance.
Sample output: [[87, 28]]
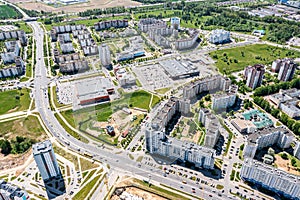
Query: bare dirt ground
[[11, 161], [285, 165], [92, 4]]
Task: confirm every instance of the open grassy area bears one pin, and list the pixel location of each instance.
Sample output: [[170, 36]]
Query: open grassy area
[[158, 190], [86, 165], [29, 127], [14, 100], [236, 59], [68, 156], [8, 12], [102, 112], [86, 189], [162, 90]]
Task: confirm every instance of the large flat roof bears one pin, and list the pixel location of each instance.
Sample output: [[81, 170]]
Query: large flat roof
[[175, 68], [41, 147]]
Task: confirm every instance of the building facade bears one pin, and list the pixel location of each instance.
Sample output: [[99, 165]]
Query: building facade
[[279, 136], [219, 36], [45, 159], [297, 150], [225, 100], [271, 178], [254, 75], [11, 192], [287, 69], [104, 55]]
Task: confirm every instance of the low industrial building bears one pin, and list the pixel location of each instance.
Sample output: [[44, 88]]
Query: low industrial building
[[271, 178], [252, 120], [279, 136], [219, 36], [288, 101], [178, 69], [90, 91], [135, 49]]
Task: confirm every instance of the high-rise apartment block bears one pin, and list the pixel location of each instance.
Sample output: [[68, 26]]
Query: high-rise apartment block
[[285, 68], [271, 178], [297, 150], [209, 84], [266, 137], [254, 75], [11, 192], [219, 36], [45, 159], [158, 143], [222, 101], [104, 54], [212, 126]]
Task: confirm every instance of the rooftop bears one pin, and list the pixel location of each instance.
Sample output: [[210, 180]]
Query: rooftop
[[41, 147]]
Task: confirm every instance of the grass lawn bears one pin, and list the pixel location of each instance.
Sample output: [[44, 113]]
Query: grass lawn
[[67, 156], [155, 101], [162, 90], [89, 176], [10, 103], [82, 194], [85, 164], [236, 59], [8, 12], [29, 127]]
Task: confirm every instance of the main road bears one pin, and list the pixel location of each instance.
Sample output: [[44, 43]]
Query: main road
[[119, 162]]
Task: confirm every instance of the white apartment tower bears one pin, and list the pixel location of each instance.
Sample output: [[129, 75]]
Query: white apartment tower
[[104, 54], [45, 159]]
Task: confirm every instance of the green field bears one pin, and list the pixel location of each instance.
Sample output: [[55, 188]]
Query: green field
[[8, 12], [14, 100], [102, 112], [236, 59], [29, 127]]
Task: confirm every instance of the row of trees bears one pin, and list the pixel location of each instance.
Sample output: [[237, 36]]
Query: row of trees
[[271, 89], [17, 146], [284, 118]]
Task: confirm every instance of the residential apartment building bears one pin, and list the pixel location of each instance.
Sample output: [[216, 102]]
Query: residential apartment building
[[286, 70], [45, 159], [287, 101], [70, 63], [17, 69], [209, 84], [219, 36], [271, 178], [111, 24], [12, 51], [266, 137], [64, 29], [175, 23], [19, 35], [104, 55], [158, 143], [254, 75], [297, 150], [11, 192], [147, 24], [222, 101], [212, 127]]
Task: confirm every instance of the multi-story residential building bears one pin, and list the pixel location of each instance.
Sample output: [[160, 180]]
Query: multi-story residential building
[[209, 84], [212, 127], [297, 150], [175, 23], [135, 49], [111, 24], [19, 35], [12, 51], [158, 143], [271, 178], [254, 75], [13, 70], [46, 160], [219, 36], [104, 54], [11, 192], [286, 70], [222, 101], [64, 29], [151, 23], [279, 136], [287, 101]]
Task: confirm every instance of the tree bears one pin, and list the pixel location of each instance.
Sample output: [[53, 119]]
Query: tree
[[284, 156], [5, 147]]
